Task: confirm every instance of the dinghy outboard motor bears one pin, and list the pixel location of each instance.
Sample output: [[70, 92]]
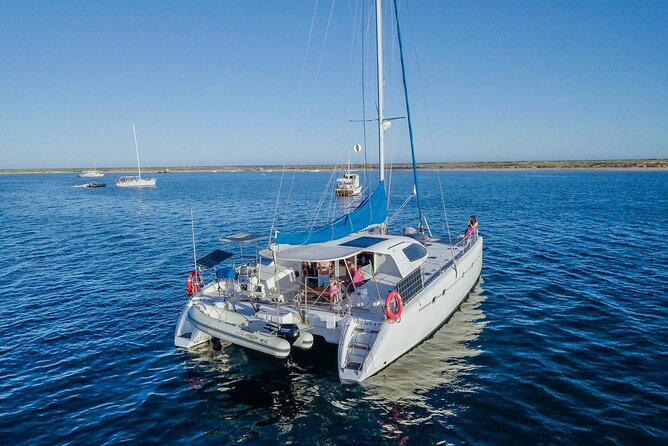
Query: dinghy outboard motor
[[289, 332]]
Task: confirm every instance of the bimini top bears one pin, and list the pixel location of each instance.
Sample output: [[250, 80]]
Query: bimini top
[[313, 253], [372, 211]]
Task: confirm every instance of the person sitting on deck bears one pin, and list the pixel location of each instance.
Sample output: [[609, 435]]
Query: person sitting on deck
[[333, 291]]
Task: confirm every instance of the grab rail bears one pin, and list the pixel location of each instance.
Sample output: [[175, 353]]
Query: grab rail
[[463, 246]]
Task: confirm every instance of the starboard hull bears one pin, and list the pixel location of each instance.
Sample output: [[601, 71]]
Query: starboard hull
[[383, 343]]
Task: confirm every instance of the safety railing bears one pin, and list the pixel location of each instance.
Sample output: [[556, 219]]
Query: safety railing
[[460, 248]]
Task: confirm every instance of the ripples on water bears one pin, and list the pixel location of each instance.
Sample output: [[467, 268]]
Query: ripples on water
[[562, 341]]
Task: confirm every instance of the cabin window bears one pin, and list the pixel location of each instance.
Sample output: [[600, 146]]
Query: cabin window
[[415, 251]]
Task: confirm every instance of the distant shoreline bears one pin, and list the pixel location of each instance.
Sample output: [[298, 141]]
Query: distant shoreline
[[636, 165]]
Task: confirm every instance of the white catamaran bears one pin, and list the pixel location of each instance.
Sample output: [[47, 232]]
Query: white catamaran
[[352, 283], [137, 181]]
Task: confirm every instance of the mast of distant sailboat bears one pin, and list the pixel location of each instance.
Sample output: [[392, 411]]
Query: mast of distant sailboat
[[134, 131]]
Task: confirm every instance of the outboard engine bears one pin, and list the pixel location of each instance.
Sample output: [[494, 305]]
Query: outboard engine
[[289, 332]]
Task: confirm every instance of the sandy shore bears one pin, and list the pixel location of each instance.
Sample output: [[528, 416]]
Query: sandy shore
[[629, 165]]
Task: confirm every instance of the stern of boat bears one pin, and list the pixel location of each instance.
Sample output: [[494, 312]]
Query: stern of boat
[[186, 335], [355, 354]]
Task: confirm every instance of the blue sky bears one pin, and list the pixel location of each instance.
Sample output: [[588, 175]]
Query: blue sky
[[218, 83]]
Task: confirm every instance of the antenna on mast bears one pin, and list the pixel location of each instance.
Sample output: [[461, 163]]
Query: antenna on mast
[[192, 225]]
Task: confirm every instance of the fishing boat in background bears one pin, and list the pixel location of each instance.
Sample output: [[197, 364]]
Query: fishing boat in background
[[352, 283], [349, 185], [138, 181], [91, 173]]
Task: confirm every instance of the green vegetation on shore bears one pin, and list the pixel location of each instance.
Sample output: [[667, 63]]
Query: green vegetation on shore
[[490, 165]]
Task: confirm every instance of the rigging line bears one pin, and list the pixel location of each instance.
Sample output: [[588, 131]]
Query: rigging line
[[408, 114], [322, 52], [431, 133], [287, 200], [278, 198], [352, 79], [294, 116], [301, 77], [321, 200]]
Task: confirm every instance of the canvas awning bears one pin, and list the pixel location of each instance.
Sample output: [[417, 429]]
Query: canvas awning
[[313, 253]]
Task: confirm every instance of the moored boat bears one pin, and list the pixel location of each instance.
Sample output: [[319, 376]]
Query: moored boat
[[135, 181], [348, 185], [91, 184], [352, 282]]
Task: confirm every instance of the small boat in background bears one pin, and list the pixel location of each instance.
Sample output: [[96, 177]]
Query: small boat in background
[[91, 173], [349, 185], [137, 181], [92, 184]]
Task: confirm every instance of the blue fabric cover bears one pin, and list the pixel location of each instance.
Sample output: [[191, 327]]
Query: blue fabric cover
[[225, 273], [372, 211]]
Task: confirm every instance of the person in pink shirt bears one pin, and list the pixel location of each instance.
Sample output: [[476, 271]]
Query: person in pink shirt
[[333, 290], [358, 277], [472, 228]]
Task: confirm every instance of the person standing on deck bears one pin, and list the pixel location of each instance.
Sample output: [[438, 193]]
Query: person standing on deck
[[333, 291], [324, 268]]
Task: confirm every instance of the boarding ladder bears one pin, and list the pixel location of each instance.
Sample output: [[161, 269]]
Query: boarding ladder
[[360, 344]]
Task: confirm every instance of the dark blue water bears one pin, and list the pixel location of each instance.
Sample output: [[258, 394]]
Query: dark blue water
[[564, 341]]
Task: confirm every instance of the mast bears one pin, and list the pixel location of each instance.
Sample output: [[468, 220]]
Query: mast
[[381, 99], [134, 131], [408, 115]]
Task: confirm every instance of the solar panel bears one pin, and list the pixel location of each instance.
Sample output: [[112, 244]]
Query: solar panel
[[214, 258], [411, 285], [362, 242]]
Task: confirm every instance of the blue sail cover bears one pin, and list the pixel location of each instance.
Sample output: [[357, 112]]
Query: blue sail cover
[[372, 211]]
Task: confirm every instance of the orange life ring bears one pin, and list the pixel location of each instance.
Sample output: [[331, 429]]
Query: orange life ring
[[394, 298], [193, 283]]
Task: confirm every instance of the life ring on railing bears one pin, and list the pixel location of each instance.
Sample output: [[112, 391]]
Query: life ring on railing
[[193, 283], [394, 300]]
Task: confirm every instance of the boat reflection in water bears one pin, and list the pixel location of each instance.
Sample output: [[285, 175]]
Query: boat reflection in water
[[440, 361]]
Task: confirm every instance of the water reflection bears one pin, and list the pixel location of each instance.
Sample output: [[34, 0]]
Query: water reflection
[[442, 361], [238, 388]]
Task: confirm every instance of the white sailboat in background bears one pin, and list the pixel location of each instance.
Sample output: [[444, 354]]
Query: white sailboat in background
[[138, 181], [91, 173], [373, 293]]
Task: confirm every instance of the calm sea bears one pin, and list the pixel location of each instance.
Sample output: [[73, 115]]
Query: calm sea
[[564, 340]]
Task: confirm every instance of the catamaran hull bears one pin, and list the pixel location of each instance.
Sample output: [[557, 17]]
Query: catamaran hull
[[383, 343]]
